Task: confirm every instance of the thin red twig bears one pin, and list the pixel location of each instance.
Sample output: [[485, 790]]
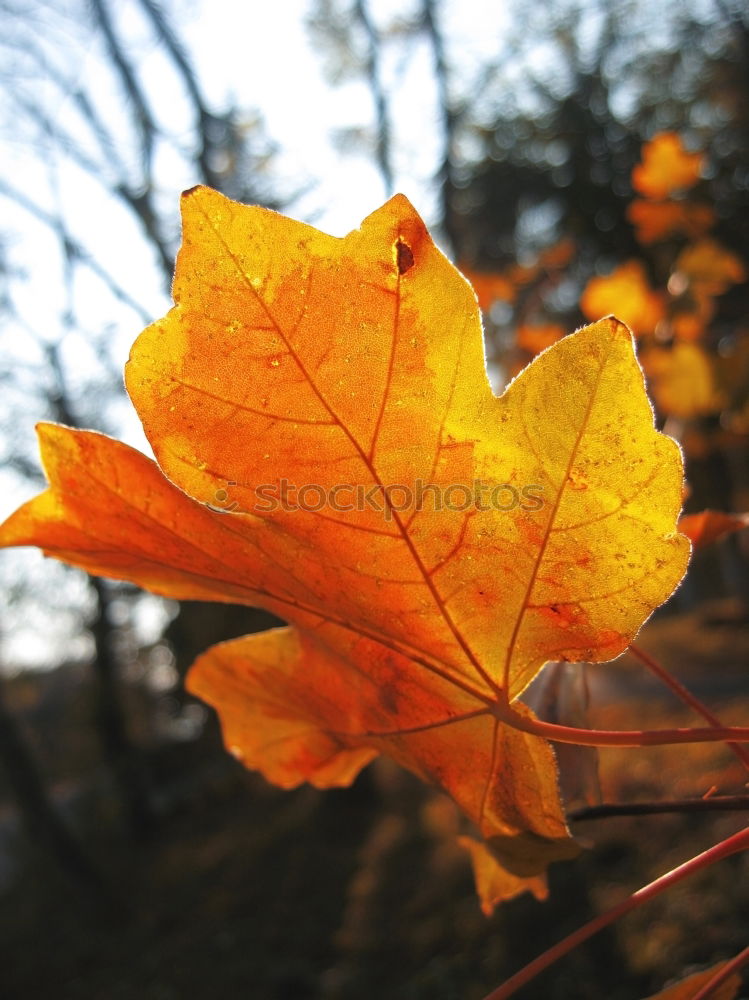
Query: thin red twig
[[722, 974], [687, 697], [731, 845]]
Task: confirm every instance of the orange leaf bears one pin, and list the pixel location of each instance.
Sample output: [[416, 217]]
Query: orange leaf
[[666, 167], [110, 511], [276, 697], [709, 268], [655, 221], [558, 255], [433, 545], [711, 525], [689, 326], [489, 287], [683, 380], [536, 338], [494, 884], [627, 293], [294, 706], [687, 988]]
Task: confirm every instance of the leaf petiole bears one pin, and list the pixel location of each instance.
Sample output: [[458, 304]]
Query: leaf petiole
[[619, 738], [686, 696], [731, 967]]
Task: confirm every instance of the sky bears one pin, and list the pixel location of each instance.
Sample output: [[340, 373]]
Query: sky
[[260, 55], [269, 59]]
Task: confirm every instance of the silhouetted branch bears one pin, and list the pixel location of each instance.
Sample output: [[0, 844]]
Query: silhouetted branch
[[144, 119], [207, 124], [142, 207], [448, 116], [715, 803], [122, 756], [383, 151], [42, 821], [72, 247]]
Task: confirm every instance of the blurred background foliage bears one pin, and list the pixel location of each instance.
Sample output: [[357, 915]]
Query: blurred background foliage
[[575, 158]]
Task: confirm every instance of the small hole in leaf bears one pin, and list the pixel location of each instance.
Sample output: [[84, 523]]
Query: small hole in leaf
[[404, 256]]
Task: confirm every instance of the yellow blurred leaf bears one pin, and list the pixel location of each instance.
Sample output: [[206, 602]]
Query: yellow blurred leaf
[[489, 287], [626, 293], [535, 338], [683, 381], [709, 267], [666, 167], [657, 220]]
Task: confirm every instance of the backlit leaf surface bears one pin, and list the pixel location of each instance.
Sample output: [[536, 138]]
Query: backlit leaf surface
[[494, 884], [335, 454]]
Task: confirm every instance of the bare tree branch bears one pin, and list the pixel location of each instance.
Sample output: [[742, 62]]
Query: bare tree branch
[[715, 803], [444, 174], [383, 146], [55, 223], [144, 119]]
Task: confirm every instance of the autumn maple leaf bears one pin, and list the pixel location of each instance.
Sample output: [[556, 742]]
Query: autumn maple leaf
[[329, 448], [666, 167], [657, 220], [627, 292]]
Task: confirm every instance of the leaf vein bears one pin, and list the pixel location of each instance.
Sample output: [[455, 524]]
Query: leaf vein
[[547, 532]]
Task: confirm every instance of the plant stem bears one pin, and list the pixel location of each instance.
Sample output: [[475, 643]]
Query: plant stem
[[686, 696], [731, 845], [619, 738], [716, 803]]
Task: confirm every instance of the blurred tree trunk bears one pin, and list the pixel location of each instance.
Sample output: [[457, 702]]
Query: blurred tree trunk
[[118, 147], [122, 755], [43, 823], [448, 120]]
